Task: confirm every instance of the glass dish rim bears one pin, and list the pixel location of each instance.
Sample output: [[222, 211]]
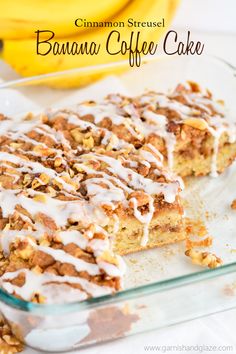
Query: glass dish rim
[[132, 293], [22, 82], [127, 294]]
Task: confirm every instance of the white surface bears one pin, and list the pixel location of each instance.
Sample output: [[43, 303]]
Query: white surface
[[207, 15], [217, 330], [210, 331]]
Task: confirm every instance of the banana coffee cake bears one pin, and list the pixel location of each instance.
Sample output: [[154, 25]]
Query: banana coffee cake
[[81, 186], [72, 197]]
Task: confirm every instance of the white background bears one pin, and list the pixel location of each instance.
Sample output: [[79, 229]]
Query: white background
[[212, 22]]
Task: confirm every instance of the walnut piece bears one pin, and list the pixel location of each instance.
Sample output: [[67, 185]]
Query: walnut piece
[[196, 123], [77, 135], [88, 143], [9, 344], [205, 259], [233, 204], [107, 257], [41, 198]]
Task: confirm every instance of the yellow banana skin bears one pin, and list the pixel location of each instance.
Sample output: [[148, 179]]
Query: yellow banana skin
[[19, 19], [21, 55]]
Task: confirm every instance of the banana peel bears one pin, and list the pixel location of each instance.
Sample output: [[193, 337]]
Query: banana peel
[[19, 19]]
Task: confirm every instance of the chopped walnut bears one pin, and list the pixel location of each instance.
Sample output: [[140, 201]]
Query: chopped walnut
[[88, 143], [36, 183], [42, 151], [77, 135], [15, 145], [46, 221], [43, 118], [233, 204], [25, 252], [44, 178], [41, 259], [57, 162], [52, 193], [41, 198], [38, 298], [196, 123], [29, 116], [9, 344], [27, 180], [107, 257], [205, 259]]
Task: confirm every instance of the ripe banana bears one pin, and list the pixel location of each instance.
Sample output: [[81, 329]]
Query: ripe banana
[[21, 55], [21, 18]]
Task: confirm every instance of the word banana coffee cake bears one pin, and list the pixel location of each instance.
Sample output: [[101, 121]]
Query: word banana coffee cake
[[82, 186]]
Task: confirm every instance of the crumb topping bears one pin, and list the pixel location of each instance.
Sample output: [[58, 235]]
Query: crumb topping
[[171, 122]]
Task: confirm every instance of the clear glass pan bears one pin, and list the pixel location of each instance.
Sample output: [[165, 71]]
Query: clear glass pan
[[153, 298]]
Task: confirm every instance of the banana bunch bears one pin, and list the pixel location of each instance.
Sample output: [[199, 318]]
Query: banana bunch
[[20, 19]]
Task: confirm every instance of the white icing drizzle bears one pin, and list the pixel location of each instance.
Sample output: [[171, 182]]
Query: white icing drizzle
[[155, 123], [216, 124], [59, 211], [109, 187], [34, 167], [156, 152], [116, 224], [137, 181], [38, 283], [101, 111], [13, 126], [144, 218]]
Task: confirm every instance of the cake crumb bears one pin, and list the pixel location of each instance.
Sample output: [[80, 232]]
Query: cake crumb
[[229, 290], [195, 227], [207, 242], [133, 261]]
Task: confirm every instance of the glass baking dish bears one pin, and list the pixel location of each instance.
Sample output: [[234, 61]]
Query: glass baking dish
[[161, 287]]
